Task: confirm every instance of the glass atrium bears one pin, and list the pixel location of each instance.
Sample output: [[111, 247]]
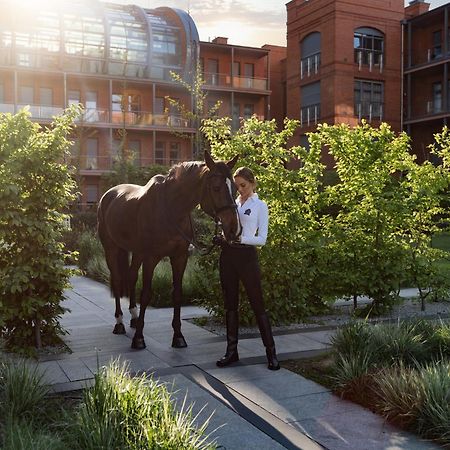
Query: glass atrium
[[87, 36]]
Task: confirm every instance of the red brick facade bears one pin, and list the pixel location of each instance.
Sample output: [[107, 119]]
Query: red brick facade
[[336, 67]]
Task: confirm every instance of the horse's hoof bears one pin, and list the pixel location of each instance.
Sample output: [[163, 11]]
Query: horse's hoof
[[138, 343], [179, 342], [119, 328], [133, 322]]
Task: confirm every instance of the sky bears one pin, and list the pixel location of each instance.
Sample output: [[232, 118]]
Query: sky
[[244, 22]]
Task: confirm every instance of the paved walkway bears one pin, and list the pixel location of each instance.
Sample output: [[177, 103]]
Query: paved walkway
[[255, 408]]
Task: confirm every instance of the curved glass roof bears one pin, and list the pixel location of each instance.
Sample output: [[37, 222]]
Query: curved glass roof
[[87, 36]]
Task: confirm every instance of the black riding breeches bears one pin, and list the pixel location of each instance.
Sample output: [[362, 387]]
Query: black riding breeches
[[241, 264]]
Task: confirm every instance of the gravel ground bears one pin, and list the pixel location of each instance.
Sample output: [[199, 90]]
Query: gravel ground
[[410, 307]]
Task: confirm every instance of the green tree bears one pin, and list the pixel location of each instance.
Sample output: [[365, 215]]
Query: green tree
[[35, 188], [388, 205], [293, 258], [199, 111]]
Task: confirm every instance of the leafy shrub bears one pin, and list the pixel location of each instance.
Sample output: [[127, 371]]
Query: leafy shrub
[[35, 187]]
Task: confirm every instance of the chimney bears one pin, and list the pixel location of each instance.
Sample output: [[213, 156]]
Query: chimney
[[415, 8], [220, 40]]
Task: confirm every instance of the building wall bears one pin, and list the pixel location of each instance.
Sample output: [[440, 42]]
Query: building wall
[[336, 20], [426, 64]]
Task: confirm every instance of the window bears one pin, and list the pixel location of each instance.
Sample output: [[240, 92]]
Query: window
[[249, 74], [310, 104], [91, 113], [159, 105], [248, 111], [212, 77], [160, 151], [129, 102], [91, 153], [310, 49], [436, 105], [2, 92], [91, 193], [46, 96], [369, 97], [73, 97], [158, 111], [174, 155], [369, 47], [26, 95], [437, 44], [236, 67]]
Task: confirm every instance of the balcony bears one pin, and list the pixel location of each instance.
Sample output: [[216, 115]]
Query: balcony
[[309, 115], [309, 66], [371, 60], [427, 58], [103, 117], [428, 110], [39, 112], [94, 166], [222, 80], [369, 111]]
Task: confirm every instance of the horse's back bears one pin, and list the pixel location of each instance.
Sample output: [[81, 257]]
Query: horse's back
[[118, 212]]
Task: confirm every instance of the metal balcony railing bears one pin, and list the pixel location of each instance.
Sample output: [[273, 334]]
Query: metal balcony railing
[[93, 165], [41, 112], [310, 65], [309, 115], [369, 111], [374, 60], [103, 116], [237, 82]]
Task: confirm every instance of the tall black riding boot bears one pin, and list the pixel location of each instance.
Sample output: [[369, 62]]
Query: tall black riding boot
[[267, 338], [231, 355]]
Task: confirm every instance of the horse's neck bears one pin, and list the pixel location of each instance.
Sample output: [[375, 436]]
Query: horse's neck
[[183, 197]]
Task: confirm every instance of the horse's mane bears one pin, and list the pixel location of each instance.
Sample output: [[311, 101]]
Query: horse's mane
[[186, 169]]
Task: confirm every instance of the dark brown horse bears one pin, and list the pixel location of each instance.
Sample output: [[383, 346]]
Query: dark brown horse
[[153, 221]]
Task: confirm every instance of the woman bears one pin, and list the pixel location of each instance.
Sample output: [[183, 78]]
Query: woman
[[239, 262]]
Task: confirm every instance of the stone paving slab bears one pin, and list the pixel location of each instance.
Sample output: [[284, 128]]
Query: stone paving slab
[[360, 429]]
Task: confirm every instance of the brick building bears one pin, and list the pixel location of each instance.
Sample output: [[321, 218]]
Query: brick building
[[343, 62], [426, 73], [116, 61]]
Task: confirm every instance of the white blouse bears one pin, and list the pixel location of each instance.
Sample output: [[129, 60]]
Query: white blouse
[[254, 217]]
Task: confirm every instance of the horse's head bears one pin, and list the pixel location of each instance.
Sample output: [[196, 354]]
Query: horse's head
[[218, 195]]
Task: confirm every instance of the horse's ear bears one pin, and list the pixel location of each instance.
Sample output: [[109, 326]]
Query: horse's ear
[[232, 162], [209, 161]]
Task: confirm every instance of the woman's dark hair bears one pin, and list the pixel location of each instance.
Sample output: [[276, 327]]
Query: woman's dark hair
[[245, 173]]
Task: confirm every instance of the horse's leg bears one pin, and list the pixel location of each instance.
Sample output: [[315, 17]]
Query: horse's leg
[[178, 263], [115, 259], [147, 275], [136, 262]]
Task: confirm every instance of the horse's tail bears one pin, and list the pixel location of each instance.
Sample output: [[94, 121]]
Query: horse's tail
[[124, 268]]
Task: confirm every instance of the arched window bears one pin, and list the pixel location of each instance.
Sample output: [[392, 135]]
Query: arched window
[[369, 47], [310, 54]]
